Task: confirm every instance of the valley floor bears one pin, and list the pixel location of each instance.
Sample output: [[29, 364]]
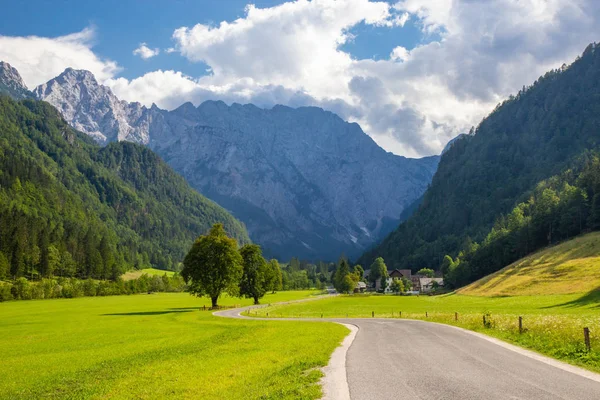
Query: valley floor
[[552, 325], [158, 346]]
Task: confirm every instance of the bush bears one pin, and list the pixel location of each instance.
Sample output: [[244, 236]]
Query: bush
[[90, 287], [21, 289], [5, 292]]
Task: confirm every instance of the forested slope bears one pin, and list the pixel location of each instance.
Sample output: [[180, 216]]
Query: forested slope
[[71, 208], [533, 136]]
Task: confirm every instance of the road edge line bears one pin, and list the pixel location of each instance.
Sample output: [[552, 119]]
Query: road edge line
[[335, 376]]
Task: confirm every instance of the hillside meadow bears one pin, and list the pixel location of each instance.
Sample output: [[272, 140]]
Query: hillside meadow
[[553, 324], [158, 346], [569, 267]]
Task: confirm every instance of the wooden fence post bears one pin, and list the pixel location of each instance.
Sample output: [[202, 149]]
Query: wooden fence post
[[586, 338], [426, 314], [372, 314], [484, 321], [456, 316], [520, 325], [321, 315], [400, 314]]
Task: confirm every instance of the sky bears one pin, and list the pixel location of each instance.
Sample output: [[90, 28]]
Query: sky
[[413, 73]]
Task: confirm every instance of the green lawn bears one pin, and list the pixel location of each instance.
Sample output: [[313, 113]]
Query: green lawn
[[157, 346], [554, 323]]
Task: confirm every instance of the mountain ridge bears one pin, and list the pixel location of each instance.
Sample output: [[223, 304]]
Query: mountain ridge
[[305, 182], [539, 133]]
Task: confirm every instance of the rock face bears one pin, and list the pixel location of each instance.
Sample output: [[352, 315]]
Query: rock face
[[11, 82], [305, 182], [94, 109]]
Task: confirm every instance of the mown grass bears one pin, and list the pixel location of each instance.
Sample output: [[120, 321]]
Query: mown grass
[[157, 346], [129, 275], [554, 324], [567, 268]]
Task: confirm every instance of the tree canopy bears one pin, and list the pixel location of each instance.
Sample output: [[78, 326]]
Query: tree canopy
[[213, 265], [255, 277]]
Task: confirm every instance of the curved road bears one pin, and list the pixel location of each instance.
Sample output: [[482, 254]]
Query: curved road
[[396, 359]]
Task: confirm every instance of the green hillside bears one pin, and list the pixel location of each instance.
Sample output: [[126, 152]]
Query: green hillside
[[71, 208], [537, 134], [567, 268]]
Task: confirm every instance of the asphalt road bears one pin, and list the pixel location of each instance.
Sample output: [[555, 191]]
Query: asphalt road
[[405, 359]]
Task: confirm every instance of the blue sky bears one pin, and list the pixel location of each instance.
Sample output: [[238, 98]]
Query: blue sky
[[121, 25], [413, 73]]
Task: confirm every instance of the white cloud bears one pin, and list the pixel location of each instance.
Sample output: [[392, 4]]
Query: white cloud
[[474, 54], [145, 52], [39, 59], [399, 53], [294, 44]]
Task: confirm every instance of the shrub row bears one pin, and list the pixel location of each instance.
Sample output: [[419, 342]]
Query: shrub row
[[22, 289]]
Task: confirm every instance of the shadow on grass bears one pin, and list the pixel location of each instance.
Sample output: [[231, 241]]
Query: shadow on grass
[[592, 297], [149, 312], [185, 308]]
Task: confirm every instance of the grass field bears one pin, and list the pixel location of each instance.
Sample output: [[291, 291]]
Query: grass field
[[570, 267], [148, 271], [554, 324], [157, 346]]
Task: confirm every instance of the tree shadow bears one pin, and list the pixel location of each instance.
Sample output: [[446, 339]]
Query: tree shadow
[[149, 313], [592, 297], [185, 308]]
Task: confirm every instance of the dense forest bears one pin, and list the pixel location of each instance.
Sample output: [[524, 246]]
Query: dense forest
[[559, 208], [70, 208], [539, 133]]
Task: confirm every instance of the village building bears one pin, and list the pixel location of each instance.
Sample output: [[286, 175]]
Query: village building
[[420, 283]]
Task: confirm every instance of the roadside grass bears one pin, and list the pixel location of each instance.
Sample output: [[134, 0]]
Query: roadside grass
[[553, 324], [158, 346], [129, 275], [569, 267]]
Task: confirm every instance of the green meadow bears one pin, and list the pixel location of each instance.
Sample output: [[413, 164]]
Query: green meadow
[[553, 324], [158, 346]]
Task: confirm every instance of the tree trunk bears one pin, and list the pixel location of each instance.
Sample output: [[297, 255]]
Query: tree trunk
[[256, 300], [214, 301]]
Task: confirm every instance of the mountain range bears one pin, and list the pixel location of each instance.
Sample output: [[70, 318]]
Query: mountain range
[[70, 207], [304, 182]]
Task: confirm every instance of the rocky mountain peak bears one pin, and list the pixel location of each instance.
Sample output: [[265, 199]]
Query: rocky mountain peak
[[11, 82], [93, 108]]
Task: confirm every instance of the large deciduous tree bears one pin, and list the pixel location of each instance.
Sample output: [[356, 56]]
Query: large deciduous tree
[[254, 282], [213, 265]]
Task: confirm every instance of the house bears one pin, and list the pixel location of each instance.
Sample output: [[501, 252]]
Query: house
[[426, 285], [360, 287], [400, 273], [392, 274]]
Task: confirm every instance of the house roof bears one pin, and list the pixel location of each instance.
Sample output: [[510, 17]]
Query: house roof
[[360, 285]]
